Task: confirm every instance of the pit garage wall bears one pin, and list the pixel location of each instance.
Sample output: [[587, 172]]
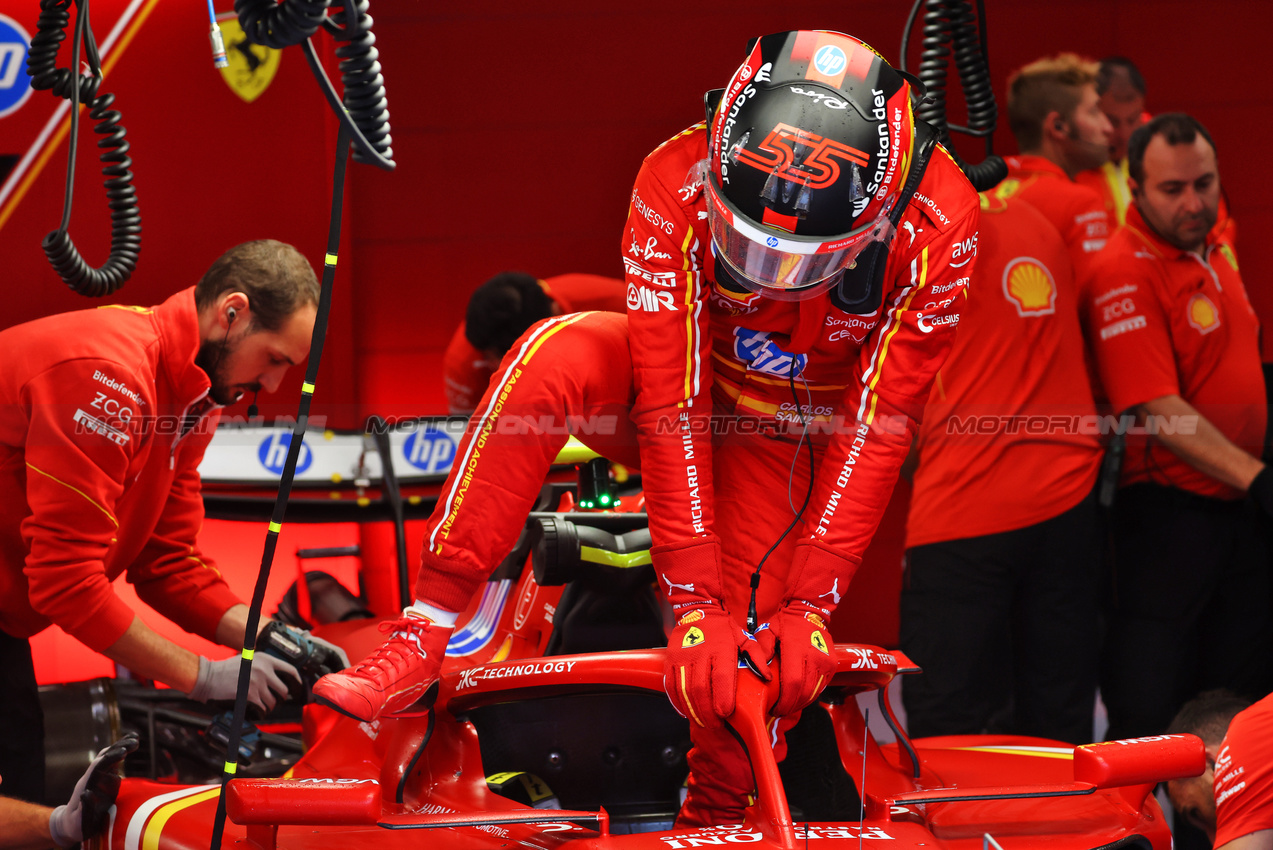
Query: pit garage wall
[[518, 129]]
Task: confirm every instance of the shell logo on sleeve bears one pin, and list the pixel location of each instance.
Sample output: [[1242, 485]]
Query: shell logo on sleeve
[[1028, 284]]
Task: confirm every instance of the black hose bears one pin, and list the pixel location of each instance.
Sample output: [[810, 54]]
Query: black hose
[[116, 164], [951, 29], [363, 108]]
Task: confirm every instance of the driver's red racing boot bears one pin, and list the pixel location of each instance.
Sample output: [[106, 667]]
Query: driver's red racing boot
[[392, 677]]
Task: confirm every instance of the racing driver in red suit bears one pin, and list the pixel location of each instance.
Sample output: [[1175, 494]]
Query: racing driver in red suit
[[801, 270]]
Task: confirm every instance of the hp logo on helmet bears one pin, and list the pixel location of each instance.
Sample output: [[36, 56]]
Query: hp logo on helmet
[[429, 450], [829, 60], [15, 83], [273, 454], [772, 241]]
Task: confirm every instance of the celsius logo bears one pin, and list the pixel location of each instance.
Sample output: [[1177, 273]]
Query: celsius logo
[[829, 60], [273, 454], [15, 83], [772, 241], [429, 449]]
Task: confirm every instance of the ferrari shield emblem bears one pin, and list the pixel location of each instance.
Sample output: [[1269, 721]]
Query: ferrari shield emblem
[[693, 637], [252, 67], [819, 643]]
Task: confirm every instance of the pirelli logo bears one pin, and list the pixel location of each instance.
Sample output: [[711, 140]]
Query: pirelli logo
[[1135, 323], [94, 425]]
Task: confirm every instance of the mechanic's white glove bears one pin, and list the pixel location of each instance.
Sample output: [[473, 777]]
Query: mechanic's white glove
[[85, 815], [329, 646], [220, 680]]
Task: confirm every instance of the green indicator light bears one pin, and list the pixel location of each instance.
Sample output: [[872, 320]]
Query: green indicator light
[[605, 500]]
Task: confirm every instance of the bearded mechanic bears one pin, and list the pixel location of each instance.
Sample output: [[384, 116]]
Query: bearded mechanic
[[801, 268], [104, 417]]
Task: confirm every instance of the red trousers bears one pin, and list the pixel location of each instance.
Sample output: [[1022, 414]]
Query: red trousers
[[573, 375]]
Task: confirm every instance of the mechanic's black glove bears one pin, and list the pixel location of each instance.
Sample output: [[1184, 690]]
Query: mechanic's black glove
[[86, 813], [1261, 490]]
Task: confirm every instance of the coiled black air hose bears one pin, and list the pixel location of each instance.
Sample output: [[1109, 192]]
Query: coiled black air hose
[[116, 164], [947, 23], [364, 108]]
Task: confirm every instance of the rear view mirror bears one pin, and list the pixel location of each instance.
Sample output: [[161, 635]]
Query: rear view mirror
[[1112, 764]]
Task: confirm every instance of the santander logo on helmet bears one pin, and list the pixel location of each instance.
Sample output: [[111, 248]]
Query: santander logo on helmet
[[807, 147]]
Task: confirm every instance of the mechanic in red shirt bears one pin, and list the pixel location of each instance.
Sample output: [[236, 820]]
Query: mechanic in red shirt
[[1003, 558], [1122, 98], [1177, 345], [500, 311], [1055, 114], [1233, 800], [740, 301], [104, 417]]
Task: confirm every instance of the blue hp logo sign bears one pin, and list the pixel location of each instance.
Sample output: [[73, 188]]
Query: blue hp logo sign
[[429, 450], [15, 84], [829, 60], [273, 454]]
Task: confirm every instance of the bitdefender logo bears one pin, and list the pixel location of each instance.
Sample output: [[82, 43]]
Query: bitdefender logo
[[273, 454]]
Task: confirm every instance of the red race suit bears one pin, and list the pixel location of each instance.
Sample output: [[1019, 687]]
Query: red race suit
[[104, 418], [1169, 322], [1009, 435], [718, 493], [466, 371], [1076, 211], [1244, 774]]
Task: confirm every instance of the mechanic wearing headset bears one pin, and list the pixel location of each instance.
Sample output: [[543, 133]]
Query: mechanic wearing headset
[[104, 418], [500, 311], [739, 243], [1054, 113], [1177, 344], [1233, 800]]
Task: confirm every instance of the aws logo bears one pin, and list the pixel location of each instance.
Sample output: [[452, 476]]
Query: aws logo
[[1204, 317], [1028, 284]]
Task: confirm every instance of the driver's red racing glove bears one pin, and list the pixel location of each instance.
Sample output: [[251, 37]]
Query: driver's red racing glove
[[820, 576], [706, 649]]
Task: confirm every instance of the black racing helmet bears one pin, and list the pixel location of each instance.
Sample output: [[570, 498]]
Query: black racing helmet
[[808, 153]]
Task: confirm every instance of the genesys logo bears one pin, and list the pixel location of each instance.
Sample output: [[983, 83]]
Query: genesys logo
[[429, 450], [15, 82], [470, 677], [273, 454]]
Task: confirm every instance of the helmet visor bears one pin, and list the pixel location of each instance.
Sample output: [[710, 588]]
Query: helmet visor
[[786, 267]]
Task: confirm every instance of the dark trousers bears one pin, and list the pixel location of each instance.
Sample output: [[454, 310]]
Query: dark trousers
[[1006, 623], [1189, 609], [21, 723]]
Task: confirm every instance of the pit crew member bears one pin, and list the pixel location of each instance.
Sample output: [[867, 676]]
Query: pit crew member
[[800, 269], [500, 311], [1002, 588], [1176, 342], [104, 418], [1054, 113], [1233, 800], [28, 826], [1122, 98]]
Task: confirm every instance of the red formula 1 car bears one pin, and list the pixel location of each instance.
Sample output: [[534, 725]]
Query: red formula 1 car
[[544, 732]]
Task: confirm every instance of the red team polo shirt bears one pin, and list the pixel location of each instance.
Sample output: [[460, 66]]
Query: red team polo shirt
[[466, 371], [1169, 322], [1244, 774], [1077, 212], [1008, 437]]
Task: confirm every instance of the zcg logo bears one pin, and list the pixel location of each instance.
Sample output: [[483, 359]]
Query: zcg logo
[[430, 450], [273, 454]]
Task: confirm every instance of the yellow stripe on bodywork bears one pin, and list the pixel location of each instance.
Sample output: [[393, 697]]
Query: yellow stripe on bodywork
[[1018, 751], [76, 490], [154, 829], [623, 560]]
